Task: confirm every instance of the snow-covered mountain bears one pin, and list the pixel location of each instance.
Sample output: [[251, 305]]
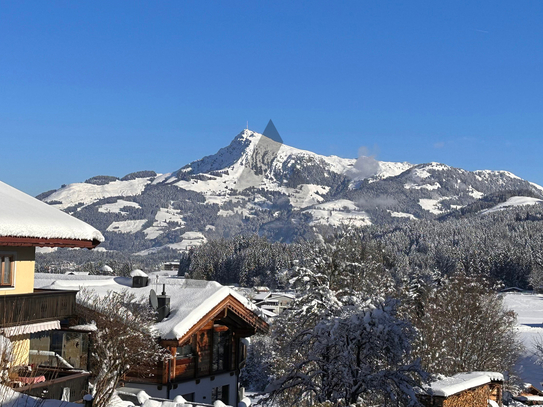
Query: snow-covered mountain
[[257, 184]]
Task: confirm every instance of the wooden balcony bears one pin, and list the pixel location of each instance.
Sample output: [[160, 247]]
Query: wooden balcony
[[56, 381], [39, 306]]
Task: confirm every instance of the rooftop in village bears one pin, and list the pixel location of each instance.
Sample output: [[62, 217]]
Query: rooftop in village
[[191, 300]]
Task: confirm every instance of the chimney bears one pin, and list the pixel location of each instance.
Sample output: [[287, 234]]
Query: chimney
[[163, 304]]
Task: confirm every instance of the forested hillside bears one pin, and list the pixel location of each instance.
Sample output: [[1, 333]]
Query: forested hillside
[[504, 246]]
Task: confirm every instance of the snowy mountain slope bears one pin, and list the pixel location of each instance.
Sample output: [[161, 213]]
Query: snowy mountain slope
[[513, 202], [86, 194], [260, 185]]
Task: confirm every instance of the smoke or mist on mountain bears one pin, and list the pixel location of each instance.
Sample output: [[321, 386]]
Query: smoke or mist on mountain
[[365, 166]]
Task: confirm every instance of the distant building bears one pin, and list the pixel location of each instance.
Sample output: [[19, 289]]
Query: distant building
[[170, 266], [530, 396], [275, 302]]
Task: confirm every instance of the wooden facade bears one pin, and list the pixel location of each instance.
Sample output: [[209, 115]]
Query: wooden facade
[[39, 306], [474, 397]]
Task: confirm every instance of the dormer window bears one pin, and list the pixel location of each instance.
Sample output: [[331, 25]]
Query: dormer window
[[6, 272]]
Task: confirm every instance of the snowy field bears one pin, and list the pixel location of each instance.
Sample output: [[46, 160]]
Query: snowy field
[[529, 309]]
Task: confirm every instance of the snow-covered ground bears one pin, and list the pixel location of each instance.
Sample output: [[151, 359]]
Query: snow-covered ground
[[429, 187], [126, 226], [118, 206], [188, 240], [339, 212], [90, 193], [529, 309], [164, 217], [512, 202], [402, 215], [431, 205]]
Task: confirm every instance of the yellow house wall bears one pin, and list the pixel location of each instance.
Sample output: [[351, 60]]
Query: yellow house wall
[[21, 349], [24, 270]]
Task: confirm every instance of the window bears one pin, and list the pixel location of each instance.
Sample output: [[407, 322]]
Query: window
[[221, 393], [184, 352], [6, 276], [188, 397], [222, 349]]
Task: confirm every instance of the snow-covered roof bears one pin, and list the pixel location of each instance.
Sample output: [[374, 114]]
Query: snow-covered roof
[[460, 382], [190, 300], [283, 295], [138, 273], [261, 296], [539, 399], [23, 216]]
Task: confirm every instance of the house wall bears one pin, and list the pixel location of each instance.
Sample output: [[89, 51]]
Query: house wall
[[21, 349], [202, 388], [24, 270]]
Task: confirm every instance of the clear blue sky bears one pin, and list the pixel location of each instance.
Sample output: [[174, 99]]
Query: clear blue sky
[[111, 87]]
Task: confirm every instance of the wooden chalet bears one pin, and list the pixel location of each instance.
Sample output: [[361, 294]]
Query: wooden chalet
[[209, 356], [204, 329]]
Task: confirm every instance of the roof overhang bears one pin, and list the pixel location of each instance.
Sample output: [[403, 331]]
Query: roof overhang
[[30, 328], [47, 242], [231, 313]]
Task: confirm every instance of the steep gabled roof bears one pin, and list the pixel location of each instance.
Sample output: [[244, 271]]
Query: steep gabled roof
[[26, 221]]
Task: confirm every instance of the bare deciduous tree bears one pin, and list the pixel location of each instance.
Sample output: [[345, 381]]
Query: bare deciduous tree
[[125, 340], [464, 327]]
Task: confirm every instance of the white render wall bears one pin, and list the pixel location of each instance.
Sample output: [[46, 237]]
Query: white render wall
[[202, 391]]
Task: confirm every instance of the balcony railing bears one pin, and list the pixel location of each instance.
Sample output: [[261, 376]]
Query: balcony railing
[[56, 382], [39, 306]]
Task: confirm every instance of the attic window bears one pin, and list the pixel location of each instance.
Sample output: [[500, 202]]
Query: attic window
[[184, 352], [6, 275]]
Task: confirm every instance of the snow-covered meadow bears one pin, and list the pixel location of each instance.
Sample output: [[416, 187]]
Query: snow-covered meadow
[[529, 309]]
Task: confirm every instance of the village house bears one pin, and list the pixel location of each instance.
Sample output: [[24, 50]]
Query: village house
[[274, 302], [530, 396], [474, 389], [202, 324], [47, 357]]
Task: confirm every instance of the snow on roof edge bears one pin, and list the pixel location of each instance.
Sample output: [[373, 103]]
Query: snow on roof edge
[[25, 216], [460, 382], [181, 328]]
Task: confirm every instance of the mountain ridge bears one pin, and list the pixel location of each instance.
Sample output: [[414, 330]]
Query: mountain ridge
[[260, 185]]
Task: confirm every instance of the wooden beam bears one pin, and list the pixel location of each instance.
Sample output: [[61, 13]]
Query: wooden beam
[[43, 242], [235, 307], [244, 333], [197, 355]]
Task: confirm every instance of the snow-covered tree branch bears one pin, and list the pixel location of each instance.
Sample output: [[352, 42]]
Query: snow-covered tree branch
[[125, 340]]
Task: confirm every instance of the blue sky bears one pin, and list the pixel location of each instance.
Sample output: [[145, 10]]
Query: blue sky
[[111, 87]]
